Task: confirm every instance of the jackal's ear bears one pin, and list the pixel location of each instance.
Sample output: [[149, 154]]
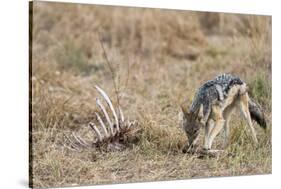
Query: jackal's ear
[[185, 111]]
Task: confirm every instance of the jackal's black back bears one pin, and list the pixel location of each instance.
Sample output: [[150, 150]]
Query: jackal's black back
[[227, 81], [210, 91]]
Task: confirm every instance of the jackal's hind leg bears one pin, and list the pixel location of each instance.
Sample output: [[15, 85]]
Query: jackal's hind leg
[[245, 111], [227, 114]]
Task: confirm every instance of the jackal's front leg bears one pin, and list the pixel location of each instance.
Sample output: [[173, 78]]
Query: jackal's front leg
[[215, 131], [226, 133], [219, 121], [208, 128], [209, 135]]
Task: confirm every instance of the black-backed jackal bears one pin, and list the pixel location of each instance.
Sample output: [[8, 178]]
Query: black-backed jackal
[[212, 107]]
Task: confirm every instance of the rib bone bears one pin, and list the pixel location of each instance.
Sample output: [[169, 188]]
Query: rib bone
[[108, 101], [81, 141], [109, 137], [94, 127], [106, 116], [102, 125]]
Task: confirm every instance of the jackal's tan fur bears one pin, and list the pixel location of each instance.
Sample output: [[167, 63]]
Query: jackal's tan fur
[[219, 118]]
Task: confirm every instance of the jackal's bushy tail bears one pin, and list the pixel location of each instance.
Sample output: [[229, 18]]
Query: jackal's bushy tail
[[257, 114]]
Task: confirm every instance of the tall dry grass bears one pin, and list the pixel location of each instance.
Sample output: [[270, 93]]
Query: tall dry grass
[[160, 58]]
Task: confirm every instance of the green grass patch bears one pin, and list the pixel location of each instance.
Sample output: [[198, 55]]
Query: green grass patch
[[260, 89]]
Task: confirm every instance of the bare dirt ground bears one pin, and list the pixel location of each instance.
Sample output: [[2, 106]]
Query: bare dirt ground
[[160, 58]]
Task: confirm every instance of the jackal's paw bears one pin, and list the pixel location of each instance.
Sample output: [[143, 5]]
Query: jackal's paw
[[190, 149]]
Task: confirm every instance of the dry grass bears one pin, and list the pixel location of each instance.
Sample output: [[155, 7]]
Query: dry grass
[[160, 58]]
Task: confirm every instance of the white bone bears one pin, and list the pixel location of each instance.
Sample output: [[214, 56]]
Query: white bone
[[108, 101], [102, 125], [81, 141], [72, 144], [131, 124], [71, 149], [128, 124], [94, 127], [106, 115]]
